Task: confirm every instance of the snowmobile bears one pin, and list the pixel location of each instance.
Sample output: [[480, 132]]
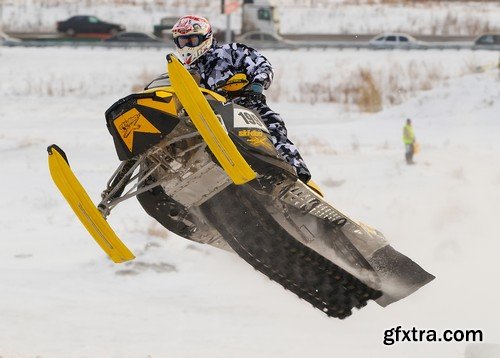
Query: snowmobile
[[206, 169]]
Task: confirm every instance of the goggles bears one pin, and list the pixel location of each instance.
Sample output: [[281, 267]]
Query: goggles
[[189, 40]]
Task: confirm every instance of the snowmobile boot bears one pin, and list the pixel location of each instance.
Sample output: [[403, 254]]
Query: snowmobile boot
[[315, 187]]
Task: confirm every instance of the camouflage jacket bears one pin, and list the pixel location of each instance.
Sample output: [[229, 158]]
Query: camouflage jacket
[[221, 62]]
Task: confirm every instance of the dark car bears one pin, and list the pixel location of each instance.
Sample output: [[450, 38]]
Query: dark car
[[164, 27], [487, 40], [133, 37], [84, 24]]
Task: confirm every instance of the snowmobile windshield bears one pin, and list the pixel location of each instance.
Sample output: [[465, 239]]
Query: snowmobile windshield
[[162, 81]]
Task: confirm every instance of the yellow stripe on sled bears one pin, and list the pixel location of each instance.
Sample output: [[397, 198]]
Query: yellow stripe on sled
[[208, 125], [82, 205]]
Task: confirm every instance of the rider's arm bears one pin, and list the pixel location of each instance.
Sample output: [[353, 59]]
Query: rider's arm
[[260, 69], [255, 65]]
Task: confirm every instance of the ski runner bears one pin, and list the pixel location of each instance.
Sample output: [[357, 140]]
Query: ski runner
[[215, 65]]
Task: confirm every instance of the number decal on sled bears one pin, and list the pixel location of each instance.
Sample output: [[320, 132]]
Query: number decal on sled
[[248, 119]]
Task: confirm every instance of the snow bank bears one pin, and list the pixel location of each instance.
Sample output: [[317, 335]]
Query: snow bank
[[313, 76]]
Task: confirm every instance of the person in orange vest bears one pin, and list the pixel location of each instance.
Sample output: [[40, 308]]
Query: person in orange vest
[[409, 141]]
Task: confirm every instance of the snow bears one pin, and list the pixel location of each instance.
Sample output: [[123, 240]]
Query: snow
[[432, 18], [61, 297]]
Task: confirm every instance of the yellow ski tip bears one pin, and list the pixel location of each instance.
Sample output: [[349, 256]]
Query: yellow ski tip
[[171, 57], [84, 208]]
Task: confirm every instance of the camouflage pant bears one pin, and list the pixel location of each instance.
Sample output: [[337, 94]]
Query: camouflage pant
[[278, 132]]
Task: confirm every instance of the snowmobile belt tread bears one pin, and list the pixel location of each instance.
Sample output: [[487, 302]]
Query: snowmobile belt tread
[[262, 243]]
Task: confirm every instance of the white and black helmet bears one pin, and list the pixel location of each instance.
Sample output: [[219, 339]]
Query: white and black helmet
[[193, 37]]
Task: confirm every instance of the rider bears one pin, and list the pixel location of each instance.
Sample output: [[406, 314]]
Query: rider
[[215, 65]]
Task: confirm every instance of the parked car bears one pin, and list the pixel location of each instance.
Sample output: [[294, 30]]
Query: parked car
[[163, 28], [487, 40], [133, 37], [84, 24], [392, 40], [264, 40]]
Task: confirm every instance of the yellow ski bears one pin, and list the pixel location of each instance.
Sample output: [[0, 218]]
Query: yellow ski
[[206, 122], [82, 205]]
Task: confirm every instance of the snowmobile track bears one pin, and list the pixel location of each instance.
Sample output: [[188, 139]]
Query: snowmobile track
[[260, 241]]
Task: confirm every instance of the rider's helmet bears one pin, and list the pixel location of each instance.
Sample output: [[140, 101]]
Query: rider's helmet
[[193, 37]]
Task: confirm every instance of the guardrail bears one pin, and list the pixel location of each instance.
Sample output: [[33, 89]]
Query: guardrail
[[77, 44], [287, 45]]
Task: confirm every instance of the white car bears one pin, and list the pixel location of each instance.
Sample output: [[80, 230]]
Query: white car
[[393, 40]]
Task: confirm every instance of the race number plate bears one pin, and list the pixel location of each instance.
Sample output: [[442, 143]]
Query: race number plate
[[244, 118]]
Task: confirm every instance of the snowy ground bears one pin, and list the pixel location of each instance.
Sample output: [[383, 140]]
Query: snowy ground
[[60, 297]]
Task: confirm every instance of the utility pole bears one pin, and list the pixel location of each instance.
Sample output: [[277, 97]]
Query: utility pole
[[228, 7], [228, 28], [223, 10]]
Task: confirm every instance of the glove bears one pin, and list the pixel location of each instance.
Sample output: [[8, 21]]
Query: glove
[[253, 93], [257, 87]]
